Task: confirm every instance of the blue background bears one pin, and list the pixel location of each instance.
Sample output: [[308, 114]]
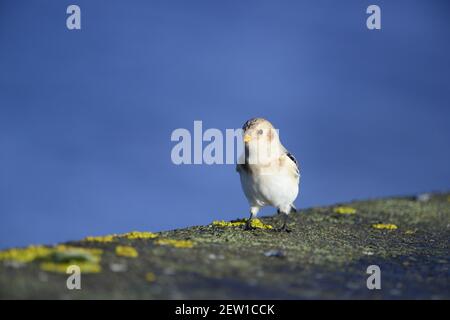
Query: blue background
[[86, 116]]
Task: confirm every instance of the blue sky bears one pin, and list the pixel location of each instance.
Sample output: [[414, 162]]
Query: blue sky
[[86, 116]]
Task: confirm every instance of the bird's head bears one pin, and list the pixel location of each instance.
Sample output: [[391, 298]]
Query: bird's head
[[258, 130], [261, 139]]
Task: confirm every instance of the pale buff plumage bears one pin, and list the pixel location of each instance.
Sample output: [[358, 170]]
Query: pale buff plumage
[[269, 173]]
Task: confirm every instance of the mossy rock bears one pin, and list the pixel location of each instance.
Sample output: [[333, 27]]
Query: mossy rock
[[325, 256]]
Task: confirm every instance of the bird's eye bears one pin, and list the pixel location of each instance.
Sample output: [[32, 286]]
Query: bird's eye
[[259, 131]]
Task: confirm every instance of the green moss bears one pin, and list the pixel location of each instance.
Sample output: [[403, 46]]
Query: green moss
[[325, 256]]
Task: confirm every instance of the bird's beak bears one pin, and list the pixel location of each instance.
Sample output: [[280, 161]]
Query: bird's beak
[[247, 138]]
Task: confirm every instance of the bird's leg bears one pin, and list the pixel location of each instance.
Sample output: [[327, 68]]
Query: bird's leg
[[285, 220], [248, 224], [253, 213]]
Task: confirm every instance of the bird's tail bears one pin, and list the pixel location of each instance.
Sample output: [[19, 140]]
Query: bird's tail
[[293, 209]]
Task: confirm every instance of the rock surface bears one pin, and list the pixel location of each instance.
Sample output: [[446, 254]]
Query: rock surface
[[325, 256]]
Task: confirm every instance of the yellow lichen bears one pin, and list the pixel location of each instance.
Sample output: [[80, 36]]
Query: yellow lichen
[[344, 210], [58, 258], [255, 223], [64, 248], [126, 251], [101, 239], [25, 255], [150, 277], [410, 231], [129, 235], [33, 253], [85, 267], [223, 223], [139, 235], [387, 226], [175, 243]]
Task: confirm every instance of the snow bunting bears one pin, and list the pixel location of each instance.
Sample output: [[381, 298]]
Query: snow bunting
[[269, 173]]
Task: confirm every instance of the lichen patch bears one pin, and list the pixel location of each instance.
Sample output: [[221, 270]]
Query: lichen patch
[[387, 226], [255, 223], [175, 243], [344, 210], [126, 251]]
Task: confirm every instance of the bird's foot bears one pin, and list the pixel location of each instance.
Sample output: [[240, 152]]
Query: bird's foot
[[284, 228], [248, 225]]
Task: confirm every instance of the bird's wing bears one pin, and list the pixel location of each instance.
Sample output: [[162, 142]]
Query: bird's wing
[[293, 162], [241, 166]]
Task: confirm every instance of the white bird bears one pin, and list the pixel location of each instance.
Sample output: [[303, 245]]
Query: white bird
[[269, 173]]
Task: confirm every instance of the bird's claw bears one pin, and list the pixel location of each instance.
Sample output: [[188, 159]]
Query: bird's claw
[[248, 225], [284, 228]]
